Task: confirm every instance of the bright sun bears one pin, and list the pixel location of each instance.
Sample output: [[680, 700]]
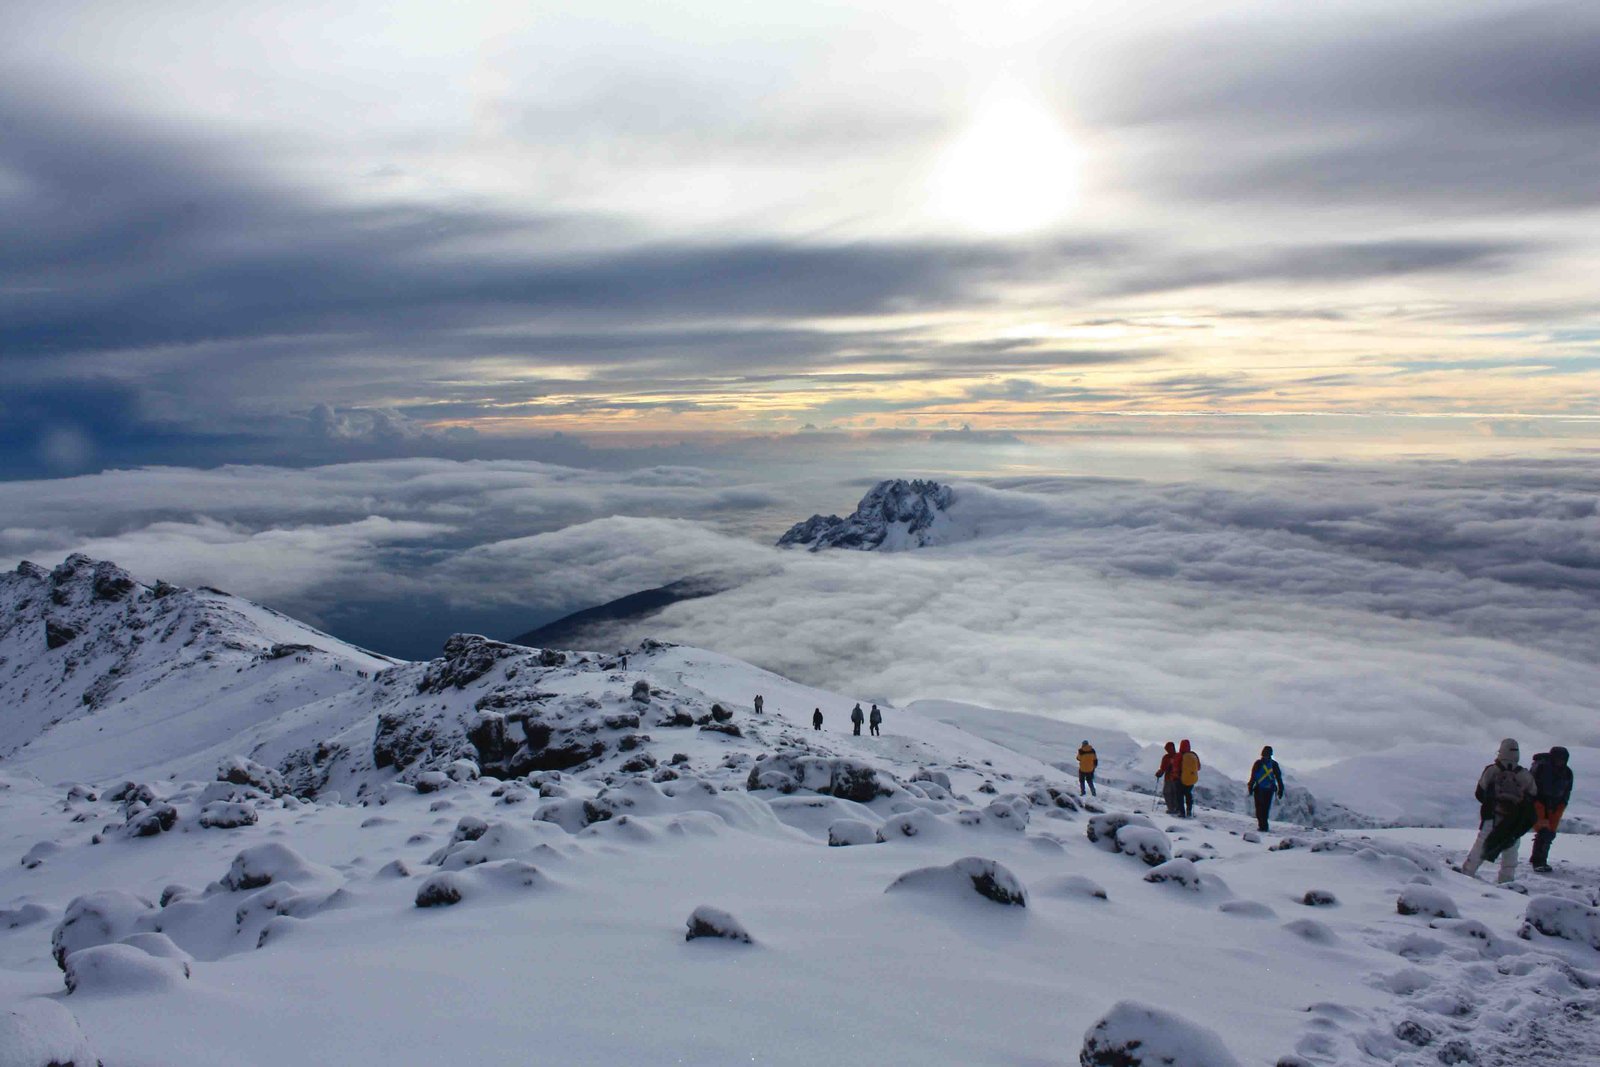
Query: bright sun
[[1012, 170]]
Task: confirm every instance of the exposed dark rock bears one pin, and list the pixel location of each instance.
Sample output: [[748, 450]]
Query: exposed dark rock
[[715, 923], [731, 729], [467, 657], [895, 504], [58, 633]]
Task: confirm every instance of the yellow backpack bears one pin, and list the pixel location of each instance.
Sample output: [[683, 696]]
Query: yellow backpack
[[1190, 774]]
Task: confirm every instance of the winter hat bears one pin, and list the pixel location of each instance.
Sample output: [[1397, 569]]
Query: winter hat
[[1509, 752], [1266, 752], [1560, 755]]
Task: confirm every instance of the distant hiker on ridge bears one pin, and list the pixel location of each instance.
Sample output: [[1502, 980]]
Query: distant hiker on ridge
[[857, 717], [1168, 772], [1266, 778], [1188, 775], [875, 719], [759, 704], [1087, 762], [816, 719], [1505, 793], [1553, 778]]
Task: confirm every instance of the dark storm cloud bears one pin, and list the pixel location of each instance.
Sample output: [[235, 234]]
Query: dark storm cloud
[[1468, 109]]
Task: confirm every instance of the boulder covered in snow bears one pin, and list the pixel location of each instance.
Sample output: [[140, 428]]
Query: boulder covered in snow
[[851, 832], [848, 779], [237, 770], [1145, 843], [36, 1032], [971, 874], [1102, 828], [113, 969], [707, 921], [268, 864], [1563, 918], [225, 815], [1427, 901], [440, 890], [1139, 1035], [1178, 872], [97, 919]]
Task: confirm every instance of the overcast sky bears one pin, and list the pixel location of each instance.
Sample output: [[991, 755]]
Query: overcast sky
[[292, 231]]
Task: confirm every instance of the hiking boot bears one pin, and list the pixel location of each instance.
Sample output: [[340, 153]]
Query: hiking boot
[[1542, 868]]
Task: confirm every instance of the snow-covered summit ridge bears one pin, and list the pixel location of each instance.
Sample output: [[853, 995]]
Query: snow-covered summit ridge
[[895, 514], [103, 674]]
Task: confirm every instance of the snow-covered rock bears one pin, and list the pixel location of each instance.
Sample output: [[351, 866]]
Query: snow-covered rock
[[1569, 920], [1178, 872], [115, 969], [958, 880], [850, 779], [1140, 1035], [272, 863], [1426, 901], [37, 1032], [895, 514], [851, 832], [706, 921], [225, 815], [1145, 843], [96, 919]]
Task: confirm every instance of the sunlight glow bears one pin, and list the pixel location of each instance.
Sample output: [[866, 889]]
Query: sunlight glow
[[1014, 169]]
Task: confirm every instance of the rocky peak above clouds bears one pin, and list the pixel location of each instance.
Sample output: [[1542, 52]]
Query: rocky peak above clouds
[[895, 514]]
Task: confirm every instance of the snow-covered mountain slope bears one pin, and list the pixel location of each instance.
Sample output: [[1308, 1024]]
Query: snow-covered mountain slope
[[612, 858], [895, 514], [103, 675]]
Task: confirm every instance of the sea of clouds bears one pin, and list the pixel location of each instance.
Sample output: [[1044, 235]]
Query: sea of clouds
[[1329, 609]]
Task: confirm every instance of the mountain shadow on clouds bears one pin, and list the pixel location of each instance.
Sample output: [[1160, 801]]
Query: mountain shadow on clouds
[[591, 626]]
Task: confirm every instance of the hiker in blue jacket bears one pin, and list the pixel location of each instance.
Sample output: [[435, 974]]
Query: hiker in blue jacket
[[1266, 779]]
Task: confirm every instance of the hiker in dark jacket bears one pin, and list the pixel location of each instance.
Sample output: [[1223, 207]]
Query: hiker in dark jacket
[[875, 720], [760, 704], [1088, 760], [1169, 771], [816, 719], [1552, 780], [1266, 781], [858, 717], [1505, 795]]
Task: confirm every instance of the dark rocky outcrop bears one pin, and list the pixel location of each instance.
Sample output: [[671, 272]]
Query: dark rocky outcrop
[[895, 504]]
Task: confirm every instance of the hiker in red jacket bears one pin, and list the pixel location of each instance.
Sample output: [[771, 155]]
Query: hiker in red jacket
[[1170, 771]]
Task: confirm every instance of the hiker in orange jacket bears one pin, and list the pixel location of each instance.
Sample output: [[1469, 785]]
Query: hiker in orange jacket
[[1169, 772], [1188, 775]]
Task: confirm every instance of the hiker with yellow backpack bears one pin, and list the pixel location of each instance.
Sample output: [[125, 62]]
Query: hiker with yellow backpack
[[1188, 775], [1087, 762]]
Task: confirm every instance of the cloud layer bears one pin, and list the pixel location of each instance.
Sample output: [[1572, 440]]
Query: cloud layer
[[1327, 608]]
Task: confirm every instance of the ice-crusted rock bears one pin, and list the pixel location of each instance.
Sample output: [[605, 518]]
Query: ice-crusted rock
[[711, 922], [1102, 828], [844, 832], [97, 919], [1427, 901], [1179, 872], [1139, 1035], [226, 815], [271, 863], [1145, 843], [1569, 920], [439, 890], [894, 514], [238, 770], [150, 820], [1319, 898], [467, 657], [36, 1032], [848, 779], [112, 969], [971, 874], [40, 852]]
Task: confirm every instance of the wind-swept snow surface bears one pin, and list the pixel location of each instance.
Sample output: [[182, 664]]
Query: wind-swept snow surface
[[600, 859]]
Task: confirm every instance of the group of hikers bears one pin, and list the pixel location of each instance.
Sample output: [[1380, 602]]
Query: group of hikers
[[1180, 771], [1512, 799], [858, 718]]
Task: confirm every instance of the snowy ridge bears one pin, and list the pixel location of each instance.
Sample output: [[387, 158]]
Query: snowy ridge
[[500, 848], [102, 675], [895, 514]]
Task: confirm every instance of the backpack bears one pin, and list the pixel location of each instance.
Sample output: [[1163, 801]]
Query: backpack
[[1190, 774]]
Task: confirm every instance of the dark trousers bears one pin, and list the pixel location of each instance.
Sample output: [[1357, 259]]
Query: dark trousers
[[1263, 806], [1086, 778], [858, 730], [874, 729], [1171, 793], [1188, 800], [1542, 840], [816, 726]]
